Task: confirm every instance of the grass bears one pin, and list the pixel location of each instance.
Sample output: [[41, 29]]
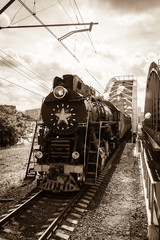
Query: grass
[[13, 163]]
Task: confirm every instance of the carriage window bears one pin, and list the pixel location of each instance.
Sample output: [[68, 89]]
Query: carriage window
[[79, 85]]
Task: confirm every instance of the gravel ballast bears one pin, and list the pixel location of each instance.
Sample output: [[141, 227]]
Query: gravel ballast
[[118, 211]]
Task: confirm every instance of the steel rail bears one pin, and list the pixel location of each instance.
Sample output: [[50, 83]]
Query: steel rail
[[53, 226], [9, 216]]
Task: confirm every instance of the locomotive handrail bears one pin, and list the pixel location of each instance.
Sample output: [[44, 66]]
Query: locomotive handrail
[[99, 140], [86, 135]]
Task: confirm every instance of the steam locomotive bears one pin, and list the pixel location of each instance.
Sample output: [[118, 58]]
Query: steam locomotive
[[78, 132]]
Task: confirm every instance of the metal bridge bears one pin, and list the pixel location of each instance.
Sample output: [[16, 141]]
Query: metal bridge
[[152, 101], [122, 92]]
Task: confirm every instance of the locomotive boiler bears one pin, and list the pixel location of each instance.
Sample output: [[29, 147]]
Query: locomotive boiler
[[77, 133]]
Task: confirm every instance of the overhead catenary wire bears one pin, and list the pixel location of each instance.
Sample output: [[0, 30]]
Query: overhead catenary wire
[[38, 19], [94, 78], [20, 86], [65, 10], [73, 55], [73, 11], [72, 21], [34, 7], [85, 26], [43, 9], [16, 13], [24, 66], [21, 72]]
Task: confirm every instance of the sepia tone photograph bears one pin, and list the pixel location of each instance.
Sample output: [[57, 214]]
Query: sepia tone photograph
[[79, 120]]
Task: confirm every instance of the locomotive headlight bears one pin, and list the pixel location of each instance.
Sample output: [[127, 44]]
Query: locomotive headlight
[[39, 155], [59, 92], [75, 155]]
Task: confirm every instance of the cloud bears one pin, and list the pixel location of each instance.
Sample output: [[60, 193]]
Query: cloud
[[4, 20], [17, 96], [125, 28], [133, 6], [43, 63], [5, 60], [131, 19], [136, 64]]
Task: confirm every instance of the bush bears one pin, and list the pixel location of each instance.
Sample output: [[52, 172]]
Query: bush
[[12, 125]]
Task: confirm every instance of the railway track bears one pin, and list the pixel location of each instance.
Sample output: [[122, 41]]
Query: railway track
[[37, 216], [69, 224], [18, 208], [50, 216]]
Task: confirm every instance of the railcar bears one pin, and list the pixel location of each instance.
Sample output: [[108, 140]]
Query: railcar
[[77, 133]]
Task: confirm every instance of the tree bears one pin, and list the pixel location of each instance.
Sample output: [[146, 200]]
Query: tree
[[12, 125]]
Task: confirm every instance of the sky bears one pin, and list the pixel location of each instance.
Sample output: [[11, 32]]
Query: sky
[[124, 42]]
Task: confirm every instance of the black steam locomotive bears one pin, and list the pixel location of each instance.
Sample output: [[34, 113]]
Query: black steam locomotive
[[78, 132]]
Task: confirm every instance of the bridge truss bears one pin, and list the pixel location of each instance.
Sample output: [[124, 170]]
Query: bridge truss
[[122, 92]]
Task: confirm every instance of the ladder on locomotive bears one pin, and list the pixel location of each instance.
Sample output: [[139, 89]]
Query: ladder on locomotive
[[30, 173], [93, 156]]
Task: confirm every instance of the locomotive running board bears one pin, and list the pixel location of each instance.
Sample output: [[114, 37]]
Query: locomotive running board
[[60, 185]]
